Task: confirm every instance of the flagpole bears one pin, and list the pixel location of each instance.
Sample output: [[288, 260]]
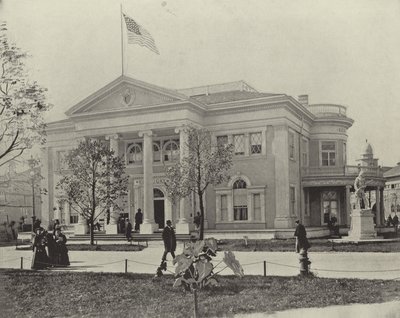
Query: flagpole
[[122, 44]]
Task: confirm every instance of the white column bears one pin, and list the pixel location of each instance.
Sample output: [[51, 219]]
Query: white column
[[264, 141], [148, 226], [67, 213], [112, 227], [246, 144], [250, 206], [229, 201], [280, 148], [348, 205], [262, 206], [218, 216], [378, 206], [182, 227]]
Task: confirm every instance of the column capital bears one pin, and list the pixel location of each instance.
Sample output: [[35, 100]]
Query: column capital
[[147, 132], [181, 128], [113, 136]]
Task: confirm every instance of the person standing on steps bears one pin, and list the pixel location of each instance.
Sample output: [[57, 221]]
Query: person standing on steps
[[138, 219]]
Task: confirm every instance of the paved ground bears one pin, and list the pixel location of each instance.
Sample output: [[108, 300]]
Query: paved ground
[[336, 265]]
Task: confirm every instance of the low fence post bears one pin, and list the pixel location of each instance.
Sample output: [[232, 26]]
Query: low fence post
[[22, 263], [126, 266], [265, 268]]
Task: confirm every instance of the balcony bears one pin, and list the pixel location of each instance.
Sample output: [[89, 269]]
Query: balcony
[[328, 110], [344, 171]]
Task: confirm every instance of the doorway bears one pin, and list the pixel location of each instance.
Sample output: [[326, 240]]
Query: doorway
[[159, 209]]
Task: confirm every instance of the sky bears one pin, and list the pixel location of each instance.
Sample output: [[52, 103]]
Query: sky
[[343, 52]]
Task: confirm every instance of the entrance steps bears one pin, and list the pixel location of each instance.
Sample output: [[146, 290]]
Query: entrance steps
[[136, 237]]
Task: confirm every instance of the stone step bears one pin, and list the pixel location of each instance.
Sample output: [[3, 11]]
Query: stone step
[[122, 237]]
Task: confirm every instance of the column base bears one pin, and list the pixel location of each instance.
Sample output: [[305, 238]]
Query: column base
[[80, 229], [148, 228], [182, 228], [111, 228], [286, 222]]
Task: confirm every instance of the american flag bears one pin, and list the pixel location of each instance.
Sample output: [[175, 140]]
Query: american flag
[[138, 35]]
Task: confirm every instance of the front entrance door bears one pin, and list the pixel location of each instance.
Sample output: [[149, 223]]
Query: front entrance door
[[159, 211]]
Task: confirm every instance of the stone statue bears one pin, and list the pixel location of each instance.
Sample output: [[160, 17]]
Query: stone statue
[[359, 186]]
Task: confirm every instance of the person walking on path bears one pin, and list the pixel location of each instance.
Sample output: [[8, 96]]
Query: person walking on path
[[301, 237], [128, 231], [138, 219], [169, 239], [197, 221]]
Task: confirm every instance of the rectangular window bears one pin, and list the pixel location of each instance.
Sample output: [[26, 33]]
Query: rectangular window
[[330, 206], [73, 219], [255, 143], [257, 206], [238, 142], [240, 213], [291, 145], [328, 153], [224, 207], [292, 200], [222, 140], [304, 153]]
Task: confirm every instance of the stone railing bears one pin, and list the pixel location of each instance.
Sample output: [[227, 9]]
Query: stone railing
[[328, 110], [341, 171]]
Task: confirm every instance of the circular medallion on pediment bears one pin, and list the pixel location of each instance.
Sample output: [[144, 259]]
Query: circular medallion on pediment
[[128, 96]]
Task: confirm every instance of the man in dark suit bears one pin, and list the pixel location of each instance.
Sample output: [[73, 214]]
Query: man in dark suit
[[169, 239], [301, 237]]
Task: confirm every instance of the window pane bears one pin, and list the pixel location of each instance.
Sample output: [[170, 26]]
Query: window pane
[[238, 141], [328, 145], [255, 141], [222, 140], [239, 184]]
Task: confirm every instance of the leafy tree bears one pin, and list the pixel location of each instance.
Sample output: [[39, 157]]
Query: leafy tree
[[205, 164], [22, 103], [94, 181]]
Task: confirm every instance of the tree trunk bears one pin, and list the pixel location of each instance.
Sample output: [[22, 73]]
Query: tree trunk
[[201, 236], [91, 231]]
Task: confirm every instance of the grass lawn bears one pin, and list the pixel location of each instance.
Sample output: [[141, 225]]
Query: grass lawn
[[62, 294], [317, 245]]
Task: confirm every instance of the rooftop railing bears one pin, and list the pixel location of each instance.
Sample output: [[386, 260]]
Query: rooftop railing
[[341, 171], [328, 110]]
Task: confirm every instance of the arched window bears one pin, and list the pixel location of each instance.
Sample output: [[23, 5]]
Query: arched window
[[239, 200], [239, 184], [157, 193], [134, 154], [171, 151], [156, 152]]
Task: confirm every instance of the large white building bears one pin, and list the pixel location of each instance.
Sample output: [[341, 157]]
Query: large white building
[[289, 157]]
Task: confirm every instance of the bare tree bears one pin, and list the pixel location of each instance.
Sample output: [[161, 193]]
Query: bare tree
[[205, 164]]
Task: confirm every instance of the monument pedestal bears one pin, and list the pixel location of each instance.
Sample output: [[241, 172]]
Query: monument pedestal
[[362, 226]]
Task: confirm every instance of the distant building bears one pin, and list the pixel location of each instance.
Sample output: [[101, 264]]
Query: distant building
[[290, 158], [16, 197], [392, 190]]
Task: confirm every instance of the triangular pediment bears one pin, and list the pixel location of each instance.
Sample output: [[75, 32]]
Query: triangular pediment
[[125, 93]]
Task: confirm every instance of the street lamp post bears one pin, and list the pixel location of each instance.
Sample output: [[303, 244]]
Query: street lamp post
[[32, 165]]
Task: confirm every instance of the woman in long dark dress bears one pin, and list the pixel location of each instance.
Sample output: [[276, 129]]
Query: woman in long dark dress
[[62, 250], [40, 259], [52, 249]]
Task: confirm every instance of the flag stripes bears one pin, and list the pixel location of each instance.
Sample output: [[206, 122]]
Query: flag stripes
[[139, 35]]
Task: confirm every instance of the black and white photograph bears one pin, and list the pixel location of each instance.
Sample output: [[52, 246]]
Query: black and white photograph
[[203, 158]]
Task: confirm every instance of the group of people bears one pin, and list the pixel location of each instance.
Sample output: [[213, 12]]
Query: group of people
[[49, 248], [125, 225]]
